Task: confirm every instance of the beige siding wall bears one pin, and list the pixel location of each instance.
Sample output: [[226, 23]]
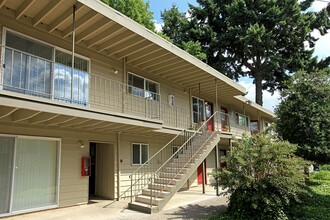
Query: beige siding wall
[[126, 167]]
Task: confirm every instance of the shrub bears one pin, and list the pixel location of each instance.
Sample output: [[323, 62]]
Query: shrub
[[264, 178]]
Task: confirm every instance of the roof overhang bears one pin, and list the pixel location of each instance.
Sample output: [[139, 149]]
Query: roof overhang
[[254, 110], [109, 33]]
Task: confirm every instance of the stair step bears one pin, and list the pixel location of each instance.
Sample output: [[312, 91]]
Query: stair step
[[147, 200], [180, 165], [176, 170], [166, 181], [183, 160], [158, 186], [146, 208], [157, 193], [171, 175]]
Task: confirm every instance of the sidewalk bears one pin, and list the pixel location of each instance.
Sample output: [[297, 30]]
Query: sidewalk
[[190, 204]]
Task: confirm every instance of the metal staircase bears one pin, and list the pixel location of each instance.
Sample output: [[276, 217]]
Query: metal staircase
[[155, 182]]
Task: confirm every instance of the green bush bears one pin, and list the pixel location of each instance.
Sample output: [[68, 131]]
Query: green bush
[[264, 178], [325, 167]]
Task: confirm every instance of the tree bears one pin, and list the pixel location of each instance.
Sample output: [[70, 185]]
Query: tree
[[304, 114], [263, 39], [263, 177], [138, 10], [176, 26]]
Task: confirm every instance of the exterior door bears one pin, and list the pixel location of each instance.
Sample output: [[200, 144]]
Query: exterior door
[[208, 114], [200, 174]]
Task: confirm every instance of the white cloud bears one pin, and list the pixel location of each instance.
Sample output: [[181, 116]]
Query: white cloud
[[322, 46], [269, 101], [158, 26], [318, 5]]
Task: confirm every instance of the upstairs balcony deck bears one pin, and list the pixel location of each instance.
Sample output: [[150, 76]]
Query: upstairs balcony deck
[[30, 75]]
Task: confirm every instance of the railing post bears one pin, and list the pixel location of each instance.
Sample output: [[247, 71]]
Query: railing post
[[176, 117], [131, 176]]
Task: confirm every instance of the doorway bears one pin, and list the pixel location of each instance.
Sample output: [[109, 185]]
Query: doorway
[[208, 115], [102, 179], [200, 174]]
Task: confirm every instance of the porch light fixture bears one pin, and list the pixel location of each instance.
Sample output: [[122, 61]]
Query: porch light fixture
[[81, 144], [114, 70]]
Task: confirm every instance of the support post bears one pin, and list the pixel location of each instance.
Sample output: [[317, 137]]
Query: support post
[[124, 83], [217, 167], [73, 46], [203, 175], [216, 95], [118, 166]]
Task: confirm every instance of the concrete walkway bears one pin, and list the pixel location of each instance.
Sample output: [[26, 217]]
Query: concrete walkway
[[190, 204]]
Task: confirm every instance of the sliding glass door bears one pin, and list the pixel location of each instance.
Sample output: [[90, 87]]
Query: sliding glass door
[[30, 170], [6, 167]]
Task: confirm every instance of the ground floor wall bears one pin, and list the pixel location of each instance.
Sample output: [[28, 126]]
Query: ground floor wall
[[114, 163]]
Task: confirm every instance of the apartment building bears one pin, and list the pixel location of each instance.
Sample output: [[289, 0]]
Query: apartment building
[[94, 104]]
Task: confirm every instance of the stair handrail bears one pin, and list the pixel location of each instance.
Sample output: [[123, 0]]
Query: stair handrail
[[197, 131], [181, 148], [173, 178], [145, 178], [168, 143], [130, 189]]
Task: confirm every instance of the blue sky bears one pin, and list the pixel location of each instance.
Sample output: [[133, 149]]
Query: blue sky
[[322, 48]]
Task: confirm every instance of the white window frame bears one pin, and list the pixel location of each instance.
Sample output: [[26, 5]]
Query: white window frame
[[144, 86], [198, 112], [140, 153], [58, 173], [247, 119]]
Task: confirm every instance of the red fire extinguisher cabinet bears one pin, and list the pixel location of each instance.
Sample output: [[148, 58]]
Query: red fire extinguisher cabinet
[[86, 166]]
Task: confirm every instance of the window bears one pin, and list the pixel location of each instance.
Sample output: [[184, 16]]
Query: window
[[242, 120], [27, 66], [254, 127], [140, 153], [31, 68], [143, 87], [198, 109]]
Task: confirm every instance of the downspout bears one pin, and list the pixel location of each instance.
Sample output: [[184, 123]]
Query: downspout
[[73, 44]]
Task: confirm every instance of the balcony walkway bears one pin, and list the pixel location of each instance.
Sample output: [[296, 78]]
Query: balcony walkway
[[191, 204]]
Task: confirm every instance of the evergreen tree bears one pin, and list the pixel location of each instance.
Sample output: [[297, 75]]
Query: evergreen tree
[[263, 39]]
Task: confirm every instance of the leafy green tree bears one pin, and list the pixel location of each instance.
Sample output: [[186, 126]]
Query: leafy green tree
[[263, 39], [195, 49], [138, 10], [263, 177], [304, 114]]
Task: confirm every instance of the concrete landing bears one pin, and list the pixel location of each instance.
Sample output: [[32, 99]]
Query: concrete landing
[[191, 204]]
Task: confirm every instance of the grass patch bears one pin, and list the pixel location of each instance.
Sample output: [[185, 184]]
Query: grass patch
[[317, 204]]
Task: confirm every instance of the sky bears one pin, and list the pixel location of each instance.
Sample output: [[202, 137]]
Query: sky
[[322, 48]]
